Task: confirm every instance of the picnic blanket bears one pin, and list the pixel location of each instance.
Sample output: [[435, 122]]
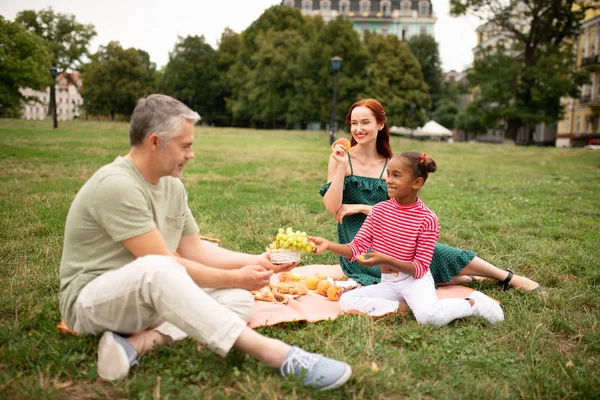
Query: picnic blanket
[[313, 307]]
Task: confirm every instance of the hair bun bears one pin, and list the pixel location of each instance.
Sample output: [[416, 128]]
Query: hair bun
[[430, 165]]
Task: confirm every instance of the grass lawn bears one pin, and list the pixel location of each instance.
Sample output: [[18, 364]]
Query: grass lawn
[[536, 210]]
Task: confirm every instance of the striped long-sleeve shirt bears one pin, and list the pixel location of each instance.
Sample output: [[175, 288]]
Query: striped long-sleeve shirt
[[405, 232]]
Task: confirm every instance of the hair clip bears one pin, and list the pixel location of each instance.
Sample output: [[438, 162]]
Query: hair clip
[[422, 158]]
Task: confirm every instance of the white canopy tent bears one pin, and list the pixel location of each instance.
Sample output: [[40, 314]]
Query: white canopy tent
[[400, 130], [433, 129]]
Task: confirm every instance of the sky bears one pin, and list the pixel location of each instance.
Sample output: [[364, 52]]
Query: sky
[[154, 25]]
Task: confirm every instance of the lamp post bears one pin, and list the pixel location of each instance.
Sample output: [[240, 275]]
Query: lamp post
[[53, 95], [336, 64], [413, 108]]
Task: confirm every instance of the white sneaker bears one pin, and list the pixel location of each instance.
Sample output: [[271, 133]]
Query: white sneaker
[[486, 307], [115, 356]]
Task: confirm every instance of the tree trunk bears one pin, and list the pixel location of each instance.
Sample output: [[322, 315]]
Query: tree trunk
[[512, 130]]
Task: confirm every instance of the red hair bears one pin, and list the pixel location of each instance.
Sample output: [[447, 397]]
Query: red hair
[[383, 137]]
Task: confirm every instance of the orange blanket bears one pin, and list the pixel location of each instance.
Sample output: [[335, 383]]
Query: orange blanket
[[313, 307]]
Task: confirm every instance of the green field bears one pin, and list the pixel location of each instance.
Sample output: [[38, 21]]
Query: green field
[[535, 210]]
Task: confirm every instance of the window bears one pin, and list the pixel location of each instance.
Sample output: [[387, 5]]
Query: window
[[307, 6], [424, 8], [423, 30], [289, 4], [345, 7], [406, 6], [577, 124], [325, 6], [384, 30], [385, 8], [365, 7]]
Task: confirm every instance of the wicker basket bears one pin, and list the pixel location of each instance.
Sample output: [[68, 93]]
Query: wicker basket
[[284, 256]]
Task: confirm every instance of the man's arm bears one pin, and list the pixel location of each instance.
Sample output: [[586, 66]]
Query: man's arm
[[250, 277], [191, 247]]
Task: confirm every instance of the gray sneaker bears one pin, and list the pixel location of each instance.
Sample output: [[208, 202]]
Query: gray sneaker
[[115, 356], [486, 307], [317, 371]]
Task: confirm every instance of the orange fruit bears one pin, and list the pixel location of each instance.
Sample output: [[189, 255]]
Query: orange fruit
[[344, 142], [334, 293], [311, 281], [286, 277], [301, 288], [322, 287]]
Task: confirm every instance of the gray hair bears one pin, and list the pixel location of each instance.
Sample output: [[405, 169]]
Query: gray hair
[[159, 114]]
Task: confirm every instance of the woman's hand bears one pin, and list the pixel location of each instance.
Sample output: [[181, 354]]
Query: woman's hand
[[320, 244], [339, 154], [351, 209], [372, 259]]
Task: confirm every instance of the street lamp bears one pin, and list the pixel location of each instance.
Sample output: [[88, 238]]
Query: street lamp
[[336, 64], [413, 108], [53, 95]]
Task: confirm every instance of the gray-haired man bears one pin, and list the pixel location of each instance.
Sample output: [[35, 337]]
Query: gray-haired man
[[118, 271]]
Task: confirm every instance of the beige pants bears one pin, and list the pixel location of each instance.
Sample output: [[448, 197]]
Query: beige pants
[[155, 292]]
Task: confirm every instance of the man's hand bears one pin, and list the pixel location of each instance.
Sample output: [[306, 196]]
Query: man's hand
[[252, 277], [372, 259], [320, 244], [264, 261]]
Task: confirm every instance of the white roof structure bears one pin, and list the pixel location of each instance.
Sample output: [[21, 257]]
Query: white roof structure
[[400, 130], [432, 128]]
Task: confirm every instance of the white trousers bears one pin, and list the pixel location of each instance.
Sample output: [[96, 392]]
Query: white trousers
[[155, 292], [419, 294]]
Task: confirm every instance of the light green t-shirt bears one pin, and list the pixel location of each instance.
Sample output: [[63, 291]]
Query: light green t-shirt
[[115, 204]]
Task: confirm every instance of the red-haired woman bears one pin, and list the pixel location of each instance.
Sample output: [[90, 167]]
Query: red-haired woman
[[356, 181]]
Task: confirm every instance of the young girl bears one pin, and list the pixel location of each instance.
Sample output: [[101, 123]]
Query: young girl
[[402, 233]]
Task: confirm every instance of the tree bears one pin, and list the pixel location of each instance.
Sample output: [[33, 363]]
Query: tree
[[450, 103], [394, 78], [192, 75], [426, 51], [115, 79], [264, 73], [24, 62], [523, 78], [314, 85], [227, 53], [67, 39]]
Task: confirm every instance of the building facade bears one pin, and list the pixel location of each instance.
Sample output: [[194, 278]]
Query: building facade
[[402, 18], [68, 99], [579, 125]]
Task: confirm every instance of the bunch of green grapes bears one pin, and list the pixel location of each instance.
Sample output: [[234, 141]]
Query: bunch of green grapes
[[290, 240]]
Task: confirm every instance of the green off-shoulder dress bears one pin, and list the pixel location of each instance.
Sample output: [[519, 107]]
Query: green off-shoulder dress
[[447, 261]]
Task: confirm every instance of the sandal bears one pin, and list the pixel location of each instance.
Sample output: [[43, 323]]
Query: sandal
[[505, 283]]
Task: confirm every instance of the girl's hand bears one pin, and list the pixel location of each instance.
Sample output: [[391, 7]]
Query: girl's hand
[[320, 244], [372, 259], [339, 154], [351, 209]]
